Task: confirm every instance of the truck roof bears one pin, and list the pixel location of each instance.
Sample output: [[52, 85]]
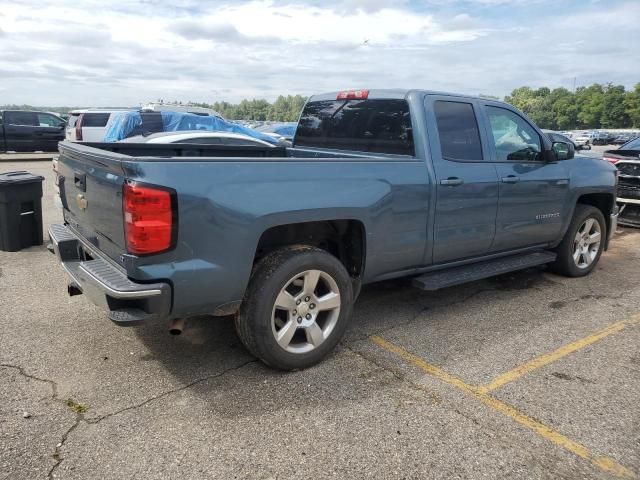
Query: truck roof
[[392, 93]]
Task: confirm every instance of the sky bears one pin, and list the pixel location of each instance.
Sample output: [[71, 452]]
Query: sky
[[124, 52]]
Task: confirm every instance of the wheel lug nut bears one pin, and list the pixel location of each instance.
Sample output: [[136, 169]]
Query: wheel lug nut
[[312, 306], [299, 319], [306, 299], [295, 312], [297, 302], [308, 316]]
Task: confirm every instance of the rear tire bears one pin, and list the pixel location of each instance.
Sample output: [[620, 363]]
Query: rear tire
[[582, 245], [296, 308]]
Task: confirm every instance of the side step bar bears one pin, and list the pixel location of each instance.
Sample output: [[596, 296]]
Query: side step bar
[[477, 271]]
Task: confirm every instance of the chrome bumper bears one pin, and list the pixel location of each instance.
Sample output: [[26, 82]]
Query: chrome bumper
[[105, 284]]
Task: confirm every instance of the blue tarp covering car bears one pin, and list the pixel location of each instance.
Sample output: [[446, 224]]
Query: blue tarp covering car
[[286, 130], [127, 124]]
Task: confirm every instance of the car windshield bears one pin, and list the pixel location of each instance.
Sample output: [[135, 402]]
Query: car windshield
[[632, 145]]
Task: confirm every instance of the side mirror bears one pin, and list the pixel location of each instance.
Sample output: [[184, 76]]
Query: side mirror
[[563, 150]]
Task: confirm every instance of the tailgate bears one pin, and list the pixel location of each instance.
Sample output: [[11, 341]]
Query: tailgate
[[91, 192]]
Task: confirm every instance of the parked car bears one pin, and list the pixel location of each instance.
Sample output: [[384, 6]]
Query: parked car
[[602, 138], [623, 138], [560, 137], [379, 184], [199, 137], [279, 130], [30, 131], [139, 123], [89, 125], [627, 161], [584, 139], [176, 107]]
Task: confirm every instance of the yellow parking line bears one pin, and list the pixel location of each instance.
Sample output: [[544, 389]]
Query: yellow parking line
[[604, 463], [548, 358]]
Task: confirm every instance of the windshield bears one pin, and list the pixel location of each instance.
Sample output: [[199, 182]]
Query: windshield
[[631, 145]]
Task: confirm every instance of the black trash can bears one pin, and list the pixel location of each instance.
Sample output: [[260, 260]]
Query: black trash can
[[20, 210]]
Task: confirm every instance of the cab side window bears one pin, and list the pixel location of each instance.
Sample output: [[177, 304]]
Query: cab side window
[[46, 120], [29, 119], [513, 138], [458, 131]]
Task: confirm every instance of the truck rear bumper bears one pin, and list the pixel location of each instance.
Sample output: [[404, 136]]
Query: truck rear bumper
[[127, 302]]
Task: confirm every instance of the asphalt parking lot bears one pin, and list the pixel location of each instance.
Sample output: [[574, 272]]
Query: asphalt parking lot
[[528, 375]]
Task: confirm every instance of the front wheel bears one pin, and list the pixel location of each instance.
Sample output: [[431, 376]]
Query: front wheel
[[296, 308], [582, 245]]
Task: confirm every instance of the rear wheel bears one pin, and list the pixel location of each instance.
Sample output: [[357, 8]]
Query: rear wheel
[[582, 245], [296, 307]]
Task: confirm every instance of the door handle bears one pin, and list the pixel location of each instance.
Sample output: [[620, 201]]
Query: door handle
[[452, 181], [510, 179]]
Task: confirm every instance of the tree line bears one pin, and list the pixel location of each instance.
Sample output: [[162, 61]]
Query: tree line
[[595, 106], [283, 109]]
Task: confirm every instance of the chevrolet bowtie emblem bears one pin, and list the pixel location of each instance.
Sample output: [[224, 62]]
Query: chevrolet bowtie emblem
[[81, 201]]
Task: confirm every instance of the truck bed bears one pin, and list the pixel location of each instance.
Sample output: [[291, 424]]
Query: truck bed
[[187, 150]]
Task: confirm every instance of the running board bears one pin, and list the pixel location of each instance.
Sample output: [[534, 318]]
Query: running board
[[477, 271]]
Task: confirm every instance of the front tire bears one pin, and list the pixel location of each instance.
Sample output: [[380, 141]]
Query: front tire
[[296, 307], [582, 245]]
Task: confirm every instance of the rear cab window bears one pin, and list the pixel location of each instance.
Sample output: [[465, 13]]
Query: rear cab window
[[95, 119], [371, 125]]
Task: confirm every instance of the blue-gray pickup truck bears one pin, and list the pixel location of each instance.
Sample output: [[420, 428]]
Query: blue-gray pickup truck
[[378, 184]]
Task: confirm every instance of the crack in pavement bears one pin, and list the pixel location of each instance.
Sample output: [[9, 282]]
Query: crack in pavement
[[56, 453], [52, 384], [54, 396], [81, 418], [94, 421]]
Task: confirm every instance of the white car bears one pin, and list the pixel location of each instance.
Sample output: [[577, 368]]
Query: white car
[[200, 137], [89, 125], [175, 107], [583, 138]]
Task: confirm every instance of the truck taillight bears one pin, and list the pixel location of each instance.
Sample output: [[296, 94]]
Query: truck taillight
[[353, 95], [149, 218], [79, 128]]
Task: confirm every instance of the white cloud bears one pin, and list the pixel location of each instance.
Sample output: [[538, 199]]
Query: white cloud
[[86, 53]]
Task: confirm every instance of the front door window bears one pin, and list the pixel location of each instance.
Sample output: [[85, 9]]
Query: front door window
[[513, 138]]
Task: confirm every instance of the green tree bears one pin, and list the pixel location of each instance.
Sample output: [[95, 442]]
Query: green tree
[[590, 105], [632, 106], [563, 107], [614, 114]]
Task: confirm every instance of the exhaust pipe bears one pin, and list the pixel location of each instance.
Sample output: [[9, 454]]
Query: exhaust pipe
[[176, 326], [73, 289]]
